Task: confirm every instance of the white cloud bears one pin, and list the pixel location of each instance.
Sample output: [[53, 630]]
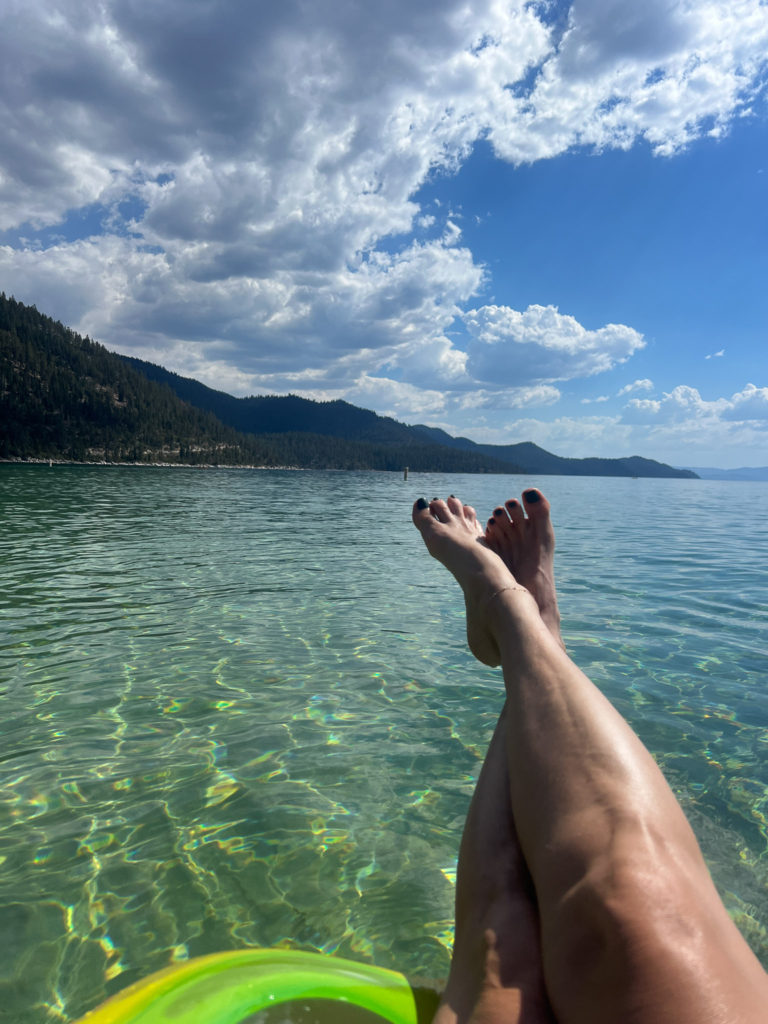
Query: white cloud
[[696, 431], [591, 401], [395, 399], [641, 410], [682, 404], [541, 344], [256, 170], [664, 71], [747, 405], [509, 398], [681, 428], [716, 355], [685, 403], [568, 436], [639, 385]]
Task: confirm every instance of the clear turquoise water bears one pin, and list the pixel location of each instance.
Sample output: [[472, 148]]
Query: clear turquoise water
[[237, 707]]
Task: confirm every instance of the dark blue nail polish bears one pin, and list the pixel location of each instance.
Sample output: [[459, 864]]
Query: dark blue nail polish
[[511, 503], [531, 496], [421, 504], [498, 511]]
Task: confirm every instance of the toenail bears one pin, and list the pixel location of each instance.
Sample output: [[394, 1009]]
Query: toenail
[[435, 499], [498, 511], [511, 503], [531, 496], [421, 504]]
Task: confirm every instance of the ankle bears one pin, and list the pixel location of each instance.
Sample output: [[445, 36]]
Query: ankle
[[510, 607], [518, 628]]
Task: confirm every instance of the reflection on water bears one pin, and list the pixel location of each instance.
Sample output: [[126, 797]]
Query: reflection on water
[[237, 708]]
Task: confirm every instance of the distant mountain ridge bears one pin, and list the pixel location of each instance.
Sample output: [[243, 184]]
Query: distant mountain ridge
[[755, 473], [65, 397], [274, 414], [278, 414], [534, 459]]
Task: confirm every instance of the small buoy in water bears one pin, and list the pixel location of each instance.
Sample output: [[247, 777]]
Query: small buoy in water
[[405, 473]]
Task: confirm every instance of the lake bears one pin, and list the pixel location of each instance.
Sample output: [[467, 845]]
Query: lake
[[238, 708]]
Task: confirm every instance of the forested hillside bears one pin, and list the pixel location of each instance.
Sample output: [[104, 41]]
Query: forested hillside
[[278, 413], [66, 397], [275, 414]]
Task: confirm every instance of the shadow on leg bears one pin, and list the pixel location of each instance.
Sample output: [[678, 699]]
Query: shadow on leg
[[496, 974]]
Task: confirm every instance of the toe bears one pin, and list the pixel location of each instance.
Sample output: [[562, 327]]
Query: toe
[[493, 537], [469, 514], [420, 514], [455, 506], [439, 510], [515, 511], [536, 505], [537, 508], [500, 526]]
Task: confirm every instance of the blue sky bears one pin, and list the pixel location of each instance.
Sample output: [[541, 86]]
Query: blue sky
[[516, 221]]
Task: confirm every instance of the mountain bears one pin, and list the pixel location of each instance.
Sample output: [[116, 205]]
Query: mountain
[[745, 473], [533, 459], [278, 414], [342, 420], [66, 397]]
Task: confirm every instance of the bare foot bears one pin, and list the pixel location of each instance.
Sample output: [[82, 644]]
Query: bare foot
[[527, 548], [454, 537]]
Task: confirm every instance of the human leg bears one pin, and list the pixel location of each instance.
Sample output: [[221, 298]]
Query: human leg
[[496, 974], [632, 927]]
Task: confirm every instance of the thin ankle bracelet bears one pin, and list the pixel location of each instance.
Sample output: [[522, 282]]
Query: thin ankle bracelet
[[501, 590]]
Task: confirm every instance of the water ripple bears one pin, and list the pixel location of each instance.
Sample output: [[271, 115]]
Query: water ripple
[[238, 708]]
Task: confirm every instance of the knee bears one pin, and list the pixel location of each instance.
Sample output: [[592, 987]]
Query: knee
[[621, 914]]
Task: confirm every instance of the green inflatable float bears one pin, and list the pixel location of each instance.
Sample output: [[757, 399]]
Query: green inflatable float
[[270, 985]]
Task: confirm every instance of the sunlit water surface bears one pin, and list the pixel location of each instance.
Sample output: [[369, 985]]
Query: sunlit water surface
[[237, 707]]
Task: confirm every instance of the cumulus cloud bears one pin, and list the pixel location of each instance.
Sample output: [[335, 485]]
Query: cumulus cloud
[[393, 398], [566, 435], [638, 385], [685, 428], [541, 344], [251, 175], [664, 71], [684, 404], [749, 404], [681, 428], [509, 398]]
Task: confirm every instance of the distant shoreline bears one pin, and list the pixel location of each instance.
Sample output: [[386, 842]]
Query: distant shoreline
[[135, 465], [728, 476]]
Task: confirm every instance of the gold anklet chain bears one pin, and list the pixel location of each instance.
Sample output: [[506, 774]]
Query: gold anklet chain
[[501, 590]]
